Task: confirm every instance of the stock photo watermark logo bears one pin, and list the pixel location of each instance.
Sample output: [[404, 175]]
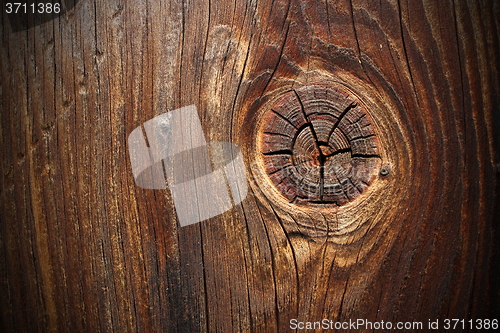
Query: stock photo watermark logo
[[205, 179]]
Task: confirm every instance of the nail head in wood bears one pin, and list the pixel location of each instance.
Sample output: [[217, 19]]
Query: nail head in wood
[[384, 171]]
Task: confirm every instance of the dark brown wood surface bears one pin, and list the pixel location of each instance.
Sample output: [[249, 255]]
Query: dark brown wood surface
[[84, 249]]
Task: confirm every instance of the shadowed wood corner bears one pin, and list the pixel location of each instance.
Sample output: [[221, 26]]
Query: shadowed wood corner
[[370, 134]]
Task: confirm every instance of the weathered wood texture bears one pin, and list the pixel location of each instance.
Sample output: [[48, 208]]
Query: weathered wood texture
[[83, 249]]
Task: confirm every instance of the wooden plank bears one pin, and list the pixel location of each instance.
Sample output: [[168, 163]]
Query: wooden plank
[[83, 248]]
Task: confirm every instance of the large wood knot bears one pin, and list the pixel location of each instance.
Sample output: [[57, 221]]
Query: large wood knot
[[318, 146]]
